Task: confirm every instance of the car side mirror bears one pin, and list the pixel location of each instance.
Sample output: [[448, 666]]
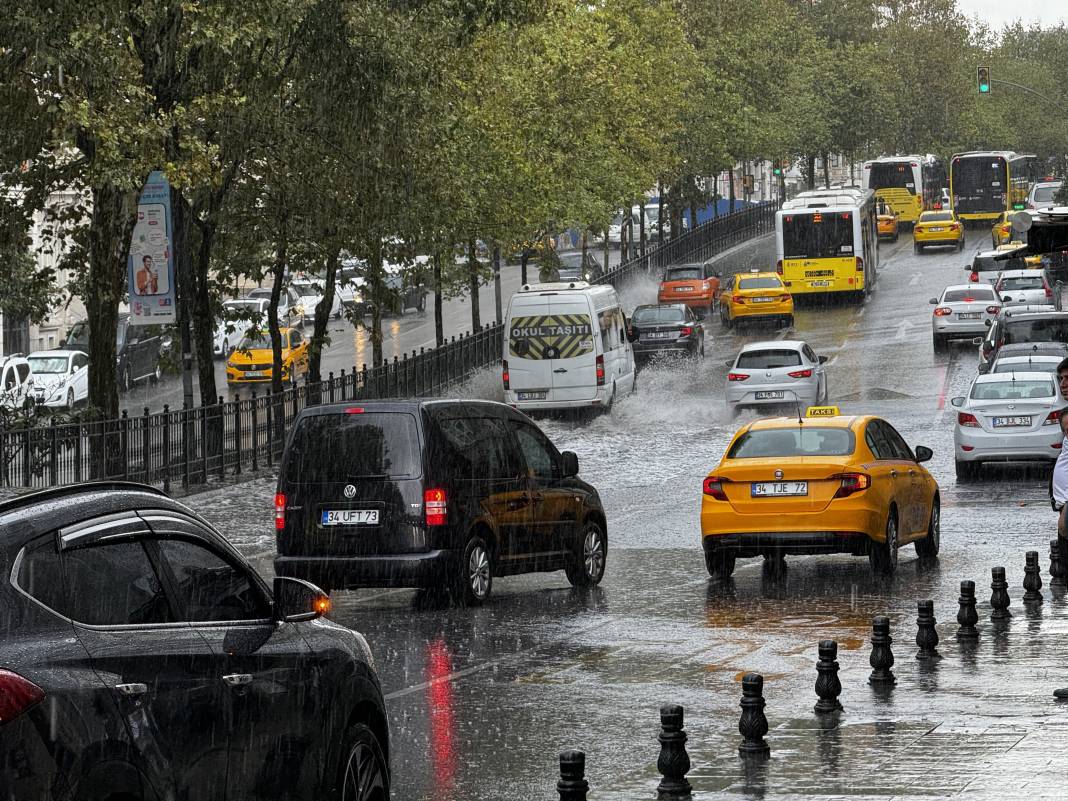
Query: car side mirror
[[729, 363], [977, 340], [570, 464], [822, 359], [63, 343], [923, 453], [957, 401], [297, 601], [1006, 298], [989, 323], [933, 301]]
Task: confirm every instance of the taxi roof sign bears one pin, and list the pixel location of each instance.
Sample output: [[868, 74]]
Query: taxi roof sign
[[822, 411]]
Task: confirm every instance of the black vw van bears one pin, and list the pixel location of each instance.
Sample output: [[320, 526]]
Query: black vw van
[[432, 493]]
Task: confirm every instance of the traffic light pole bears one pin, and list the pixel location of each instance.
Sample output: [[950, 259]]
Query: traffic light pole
[[1031, 91]]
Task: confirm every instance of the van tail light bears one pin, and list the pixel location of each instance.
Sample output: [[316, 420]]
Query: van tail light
[[435, 507], [800, 374], [993, 309], [974, 277], [737, 376], [851, 483], [860, 264], [1053, 418], [600, 371], [943, 311], [504, 374], [686, 330], [967, 420], [778, 266], [279, 511], [713, 487], [17, 695]]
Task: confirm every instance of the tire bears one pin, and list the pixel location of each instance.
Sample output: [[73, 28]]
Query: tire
[[473, 579], [883, 555], [895, 238], [728, 323], [939, 343], [720, 564], [363, 772], [929, 545], [917, 248], [585, 567], [966, 471], [788, 321], [960, 245]]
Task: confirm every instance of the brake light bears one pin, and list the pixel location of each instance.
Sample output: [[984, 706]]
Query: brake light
[[435, 507], [504, 374], [600, 371], [993, 309], [737, 298], [974, 277], [354, 410], [1049, 292], [785, 298], [860, 264], [800, 374], [713, 486], [954, 227], [942, 311], [17, 695], [778, 266], [1053, 418], [737, 376], [279, 511], [686, 331], [967, 420], [852, 483]]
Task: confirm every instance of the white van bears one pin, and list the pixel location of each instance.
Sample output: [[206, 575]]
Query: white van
[[566, 347]]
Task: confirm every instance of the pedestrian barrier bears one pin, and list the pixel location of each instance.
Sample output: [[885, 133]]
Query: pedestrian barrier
[[196, 445]]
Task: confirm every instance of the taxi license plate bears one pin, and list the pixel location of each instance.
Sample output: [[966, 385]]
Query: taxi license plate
[[768, 489], [969, 315], [1011, 422], [771, 395], [819, 283], [255, 374], [684, 289], [763, 300], [350, 517], [532, 395], [935, 230], [658, 335]]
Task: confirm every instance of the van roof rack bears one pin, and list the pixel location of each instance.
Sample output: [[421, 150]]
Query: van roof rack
[[556, 286]]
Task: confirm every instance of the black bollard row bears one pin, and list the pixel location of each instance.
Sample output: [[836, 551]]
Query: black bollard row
[[572, 785], [1032, 579], [1056, 564], [753, 725], [882, 658], [674, 762], [828, 685], [999, 596], [967, 617], [926, 633]]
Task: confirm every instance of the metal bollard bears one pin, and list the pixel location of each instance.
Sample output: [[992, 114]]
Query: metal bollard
[[999, 597], [674, 762], [926, 633], [1056, 564], [753, 724], [1032, 579], [882, 657], [572, 785], [828, 685], [967, 617]]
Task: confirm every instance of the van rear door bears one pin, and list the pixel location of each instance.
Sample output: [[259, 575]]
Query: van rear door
[[551, 349]]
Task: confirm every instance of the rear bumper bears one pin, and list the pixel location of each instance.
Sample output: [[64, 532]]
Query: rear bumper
[[511, 397], [937, 242], [693, 301], [971, 328], [641, 350], [797, 543], [342, 572]]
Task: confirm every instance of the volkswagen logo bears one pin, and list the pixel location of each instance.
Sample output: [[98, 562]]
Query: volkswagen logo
[[778, 474], [350, 491]]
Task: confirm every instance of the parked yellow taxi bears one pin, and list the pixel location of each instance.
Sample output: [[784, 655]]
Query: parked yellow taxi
[[888, 226], [938, 228], [824, 483], [252, 362], [755, 296]]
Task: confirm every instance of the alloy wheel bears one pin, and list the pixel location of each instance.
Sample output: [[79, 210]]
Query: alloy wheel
[[365, 778], [478, 571], [891, 540], [593, 554]]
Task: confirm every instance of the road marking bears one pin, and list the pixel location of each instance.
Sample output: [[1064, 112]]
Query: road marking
[[945, 387], [915, 279], [902, 329]]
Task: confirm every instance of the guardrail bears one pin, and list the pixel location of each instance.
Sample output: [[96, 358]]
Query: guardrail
[[195, 446]]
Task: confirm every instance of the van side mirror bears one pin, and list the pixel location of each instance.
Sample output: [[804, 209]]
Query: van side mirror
[[923, 453], [570, 464], [822, 359], [297, 601], [958, 401]]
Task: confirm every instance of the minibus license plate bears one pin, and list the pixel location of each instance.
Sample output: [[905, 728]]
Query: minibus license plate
[[819, 283], [778, 488], [1010, 422], [350, 517], [531, 396], [771, 395]]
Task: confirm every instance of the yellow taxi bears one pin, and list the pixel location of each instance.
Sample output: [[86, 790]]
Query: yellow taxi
[[824, 483], [888, 227], [755, 296], [1001, 232], [1030, 262], [938, 228], [252, 362]]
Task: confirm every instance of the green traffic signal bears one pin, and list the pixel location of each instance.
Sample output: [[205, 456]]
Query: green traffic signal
[[982, 75]]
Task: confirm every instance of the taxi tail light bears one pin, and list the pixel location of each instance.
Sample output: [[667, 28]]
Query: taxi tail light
[[737, 376], [943, 311], [860, 264], [505, 377], [738, 298], [778, 266], [1053, 418], [968, 420], [686, 331], [600, 371], [713, 487], [800, 374], [851, 483], [435, 507], [993, 309], [279, 511], [17, 695], [974, 277], [784, 298]]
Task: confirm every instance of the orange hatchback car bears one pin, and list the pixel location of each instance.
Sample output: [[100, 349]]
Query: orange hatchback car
[[695, 285]]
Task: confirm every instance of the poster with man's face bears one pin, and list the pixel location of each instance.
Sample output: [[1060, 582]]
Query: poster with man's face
[[149, 250]]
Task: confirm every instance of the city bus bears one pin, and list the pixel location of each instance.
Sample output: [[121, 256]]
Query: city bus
[[827, 242], [907, 184], [985, 184]]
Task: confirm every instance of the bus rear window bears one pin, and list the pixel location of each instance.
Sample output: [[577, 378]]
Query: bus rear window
[[817, 235], [344, 447], [892, 176]]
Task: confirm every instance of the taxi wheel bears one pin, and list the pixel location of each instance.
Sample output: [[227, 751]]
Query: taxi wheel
[[940, 345], [917, 248], [883, 555], [720, 565], [928, 546], [960, 244]]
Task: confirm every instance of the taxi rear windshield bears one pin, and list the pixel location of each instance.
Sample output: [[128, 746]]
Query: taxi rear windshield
[[769, 359], [817, 235], [1012, 390], [345, 447], [803, 441], [953, 295], [937, 216], [759, 283]]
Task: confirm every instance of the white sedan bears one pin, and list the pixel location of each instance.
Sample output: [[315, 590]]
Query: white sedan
[[1028, 288], [1007, 417], [238, 316], [777, 373], [962, 311], [60, 377], [310, 292]]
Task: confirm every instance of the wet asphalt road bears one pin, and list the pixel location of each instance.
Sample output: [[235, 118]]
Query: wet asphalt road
[[481, 701]]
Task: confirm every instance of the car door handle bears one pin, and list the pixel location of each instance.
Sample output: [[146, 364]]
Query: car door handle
[[135, 688], [238, 679]]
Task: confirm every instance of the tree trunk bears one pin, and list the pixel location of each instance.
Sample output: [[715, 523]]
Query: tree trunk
[[585, 249], [322, 318], [281, 253], [730, 189], [659, 212], [642, 238], [606, 249], [472, 285], [203, 320], [826, 170], [715, 196], [439, 324], [524, 257], [693, 214], [497, 281], [810, 174], [377, 287]]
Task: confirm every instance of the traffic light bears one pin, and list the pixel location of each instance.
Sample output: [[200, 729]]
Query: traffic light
[[747, 182], [778, 167], [982, 74]]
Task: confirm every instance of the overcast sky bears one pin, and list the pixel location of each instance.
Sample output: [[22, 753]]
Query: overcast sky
[[998, 12]]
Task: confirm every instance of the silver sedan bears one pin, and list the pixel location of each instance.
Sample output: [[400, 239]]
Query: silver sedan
[[962, 311], [779, 373]]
